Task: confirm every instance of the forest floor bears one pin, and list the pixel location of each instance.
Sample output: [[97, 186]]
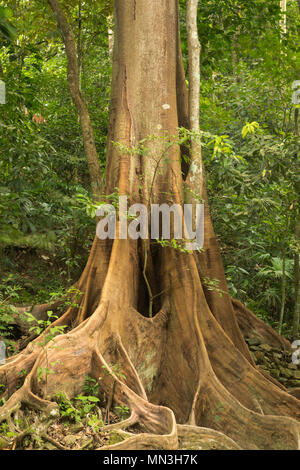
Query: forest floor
[[82, 424], [87, 422]]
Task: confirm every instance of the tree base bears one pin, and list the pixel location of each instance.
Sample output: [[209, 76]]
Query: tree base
[[177, 368]]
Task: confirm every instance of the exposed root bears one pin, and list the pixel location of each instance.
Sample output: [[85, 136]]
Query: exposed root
[[10, 407], [125, 424], [252, 326], [199, 438], [219, 410], [38, 311], [179, 363]]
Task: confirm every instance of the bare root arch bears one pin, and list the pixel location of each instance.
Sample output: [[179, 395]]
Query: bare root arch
[[218, 388]]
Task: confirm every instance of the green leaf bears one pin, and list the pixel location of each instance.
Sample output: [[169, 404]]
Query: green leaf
[[93, 399]]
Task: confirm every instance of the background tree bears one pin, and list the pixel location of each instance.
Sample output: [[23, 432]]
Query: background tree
[[74, 78]]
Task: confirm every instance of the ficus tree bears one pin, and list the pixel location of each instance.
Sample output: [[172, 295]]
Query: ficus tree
[[187, 366]]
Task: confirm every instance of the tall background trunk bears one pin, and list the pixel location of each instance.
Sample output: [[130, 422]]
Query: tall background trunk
[[74, 72], [194, 180]]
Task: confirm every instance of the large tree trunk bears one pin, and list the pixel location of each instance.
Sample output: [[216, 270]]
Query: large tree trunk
[[189, 365]]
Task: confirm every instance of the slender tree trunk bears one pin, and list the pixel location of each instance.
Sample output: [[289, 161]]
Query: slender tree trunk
[[194, 180], [79, 42], [235, 57], [74, 87], [110, 33], [283, 287]]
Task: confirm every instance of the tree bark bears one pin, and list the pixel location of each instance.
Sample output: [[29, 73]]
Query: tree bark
[[73, 70], [194, 180]]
